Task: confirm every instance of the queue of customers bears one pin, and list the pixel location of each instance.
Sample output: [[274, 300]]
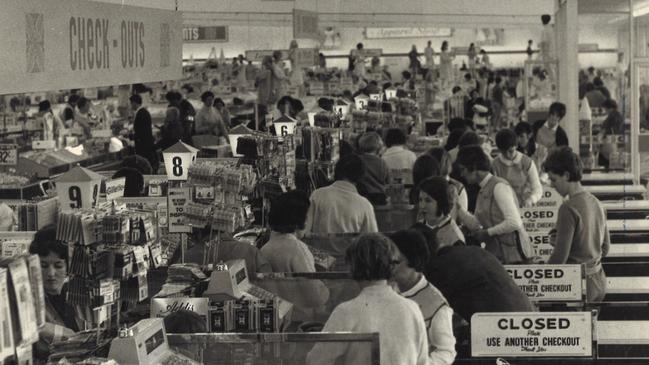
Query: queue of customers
[[419, 286]]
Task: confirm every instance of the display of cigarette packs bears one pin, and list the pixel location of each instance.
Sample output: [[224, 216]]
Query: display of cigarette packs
[[92, 293], [36, 280], [6, 332], [22, 301], [197, 214], [90, 262], [135, 289]]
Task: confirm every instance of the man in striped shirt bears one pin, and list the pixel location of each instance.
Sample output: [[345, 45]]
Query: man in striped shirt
[[407, 274]]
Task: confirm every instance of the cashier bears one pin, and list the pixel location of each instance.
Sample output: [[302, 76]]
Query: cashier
[[287, 253], [60, 317], [82, 117]]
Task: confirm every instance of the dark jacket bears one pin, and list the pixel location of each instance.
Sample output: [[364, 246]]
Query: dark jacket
[[143, 137], [472, 280], [560, 136], [377, 175], [172, 131]]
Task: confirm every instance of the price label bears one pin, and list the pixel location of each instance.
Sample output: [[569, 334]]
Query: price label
[[8, 154]]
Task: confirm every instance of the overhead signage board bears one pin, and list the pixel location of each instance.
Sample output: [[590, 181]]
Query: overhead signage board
[[373, 33], [258, 55], [305, 24], [372, 52], [528, 334], [68, 44], [305, 57], [548, 282], [196, 34]]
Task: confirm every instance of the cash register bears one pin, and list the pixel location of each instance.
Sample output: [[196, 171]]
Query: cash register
[[145, 343], [237, 305]]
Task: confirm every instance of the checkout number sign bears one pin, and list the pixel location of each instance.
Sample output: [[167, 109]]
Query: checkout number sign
[[80, 195], [8, 155]]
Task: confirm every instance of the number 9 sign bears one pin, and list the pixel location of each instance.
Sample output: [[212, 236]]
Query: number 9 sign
[[78, 189]]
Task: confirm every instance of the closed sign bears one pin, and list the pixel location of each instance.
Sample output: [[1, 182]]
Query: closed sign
[[556, 334], [548, 282]]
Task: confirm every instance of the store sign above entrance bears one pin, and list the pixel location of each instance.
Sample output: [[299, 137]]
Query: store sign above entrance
[[192, 34], [371, 33], [64, 44]]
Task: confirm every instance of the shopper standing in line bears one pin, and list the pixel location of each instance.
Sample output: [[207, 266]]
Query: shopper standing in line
[[378, 308], [582, 236]]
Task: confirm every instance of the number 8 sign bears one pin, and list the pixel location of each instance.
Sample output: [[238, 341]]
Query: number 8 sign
[[178, 158], [78, 189]]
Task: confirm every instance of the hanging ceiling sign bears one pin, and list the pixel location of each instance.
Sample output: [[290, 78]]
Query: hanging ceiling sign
[[371, 33], [193, 34], [258, 55], [305, 24], [68, 44]]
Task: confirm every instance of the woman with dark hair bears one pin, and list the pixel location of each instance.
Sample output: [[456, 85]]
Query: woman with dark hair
[[134, 181], [518, 169], [434, 210], [425, 166], [459, 191], [62, 320], [497, 221], [582, 235], [414, 256], [551, 135], [287, 253], [612, 125], [208, 119], [378, 308]]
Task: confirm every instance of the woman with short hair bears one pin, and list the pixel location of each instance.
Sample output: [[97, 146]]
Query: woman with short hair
[[378, 308], [287, 253], [61, 318], [518, 169]]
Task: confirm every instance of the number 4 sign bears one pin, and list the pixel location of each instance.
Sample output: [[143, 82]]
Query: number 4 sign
[[78, 189], [178, 158]]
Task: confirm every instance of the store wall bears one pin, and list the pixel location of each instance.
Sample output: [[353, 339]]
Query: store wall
[[242, 38]]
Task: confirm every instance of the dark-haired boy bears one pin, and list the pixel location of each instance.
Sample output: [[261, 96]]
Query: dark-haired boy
[[582, 235]]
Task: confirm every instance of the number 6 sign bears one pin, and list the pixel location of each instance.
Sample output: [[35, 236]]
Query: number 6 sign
[[178, 158], [284, 126], [78, 189]]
